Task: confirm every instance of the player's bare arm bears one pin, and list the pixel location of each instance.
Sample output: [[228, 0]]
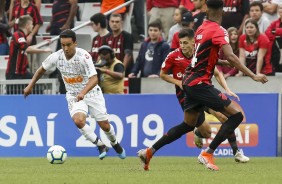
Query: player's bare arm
[[221, 80], [164, 75], [93, 81], [38, 74], [234, 60]]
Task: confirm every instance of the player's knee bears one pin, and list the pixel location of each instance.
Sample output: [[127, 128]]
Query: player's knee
[[104, 125], [79, 121], [237, 118]]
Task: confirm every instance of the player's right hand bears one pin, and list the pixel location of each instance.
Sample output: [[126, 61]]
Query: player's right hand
[[27, 91], [260, 78]]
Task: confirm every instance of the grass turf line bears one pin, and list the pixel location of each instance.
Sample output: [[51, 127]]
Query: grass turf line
[[113, 170]]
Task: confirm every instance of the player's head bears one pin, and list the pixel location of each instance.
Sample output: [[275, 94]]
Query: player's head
[[99, 21], [186, 41], [155, 30], [115, 22], [25, 22], [252, 30], [279, 9], [215, 10], [68, 42], [106, 52], [187, 20]]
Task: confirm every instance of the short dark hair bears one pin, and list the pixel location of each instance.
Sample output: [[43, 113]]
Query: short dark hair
[[186, 33], [116, 15], [157, 23], [215, 4], [257, 3], [23, 20], [99, 18], [68, 33]]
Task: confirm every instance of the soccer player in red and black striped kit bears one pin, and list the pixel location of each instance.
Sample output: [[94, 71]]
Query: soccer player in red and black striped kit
[[199, 91], [176, 63]]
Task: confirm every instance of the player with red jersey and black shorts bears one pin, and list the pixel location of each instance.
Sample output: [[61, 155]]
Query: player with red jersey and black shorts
[[199, 91], [176, 63]]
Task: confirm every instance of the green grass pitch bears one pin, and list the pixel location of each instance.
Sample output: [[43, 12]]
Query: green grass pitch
[[112, 170]]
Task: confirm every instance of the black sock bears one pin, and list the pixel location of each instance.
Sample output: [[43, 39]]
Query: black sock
[[233, 143], [173, 134], [198, 133], [226, 128]]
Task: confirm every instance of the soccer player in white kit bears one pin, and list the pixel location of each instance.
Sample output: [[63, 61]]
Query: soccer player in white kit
[[83, 92]]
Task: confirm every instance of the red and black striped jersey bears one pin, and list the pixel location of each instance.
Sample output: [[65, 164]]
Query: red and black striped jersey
[[176, 62], [18, 62], [60, 13], [209, 38], [97, 42], [121, 44], [29, 10]]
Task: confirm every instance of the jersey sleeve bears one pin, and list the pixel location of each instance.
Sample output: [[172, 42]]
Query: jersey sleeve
[[263, 41], [50, 63], [20, 41], [89, 66], [220, 37], [168, 62]]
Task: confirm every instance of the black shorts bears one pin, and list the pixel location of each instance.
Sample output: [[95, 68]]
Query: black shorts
[[204, 95], [181, 99]]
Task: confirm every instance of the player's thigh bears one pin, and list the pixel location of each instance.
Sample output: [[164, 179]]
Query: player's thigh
[[211, 97], [231, 109], [97, 107], [75, 107]]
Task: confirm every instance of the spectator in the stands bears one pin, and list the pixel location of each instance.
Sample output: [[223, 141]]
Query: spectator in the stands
[[152, 53], [4, 30]]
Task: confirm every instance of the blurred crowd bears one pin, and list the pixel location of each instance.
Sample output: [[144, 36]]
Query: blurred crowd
[[254, 29]]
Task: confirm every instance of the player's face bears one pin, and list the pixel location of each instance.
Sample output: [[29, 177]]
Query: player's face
[[255, 13], [115, 23], [69, 47], [177, 16], [250, 29], [233, 37], [187, 45], [154, 33]]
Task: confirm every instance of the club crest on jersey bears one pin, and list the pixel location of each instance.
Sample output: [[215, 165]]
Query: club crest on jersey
[[86, 56]]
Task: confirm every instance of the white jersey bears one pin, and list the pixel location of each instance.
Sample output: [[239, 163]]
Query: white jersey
[[75, 72]]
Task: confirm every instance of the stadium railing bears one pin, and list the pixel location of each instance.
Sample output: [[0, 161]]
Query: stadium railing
[[15, 87]]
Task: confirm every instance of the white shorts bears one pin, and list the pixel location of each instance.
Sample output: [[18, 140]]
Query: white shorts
[[94, 106]]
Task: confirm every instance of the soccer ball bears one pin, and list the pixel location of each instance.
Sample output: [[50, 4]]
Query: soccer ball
[[56, 154]]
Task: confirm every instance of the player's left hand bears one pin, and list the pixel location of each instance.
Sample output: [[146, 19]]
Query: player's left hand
[[79, 97], [231, 93]]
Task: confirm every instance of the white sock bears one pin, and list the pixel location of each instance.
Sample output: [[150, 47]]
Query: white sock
[[90, 135], [111, 135]]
